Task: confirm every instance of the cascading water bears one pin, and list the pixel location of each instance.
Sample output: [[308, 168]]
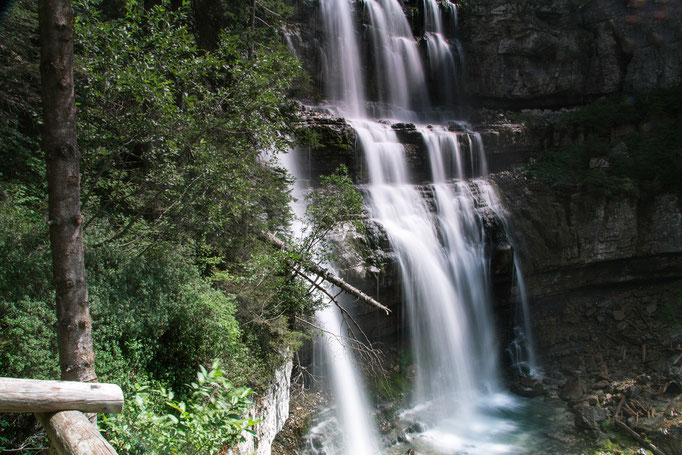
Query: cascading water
[[341, 62], [398, 70], [358, 435], [438, 237], [434, 228], [442, 58], [521, 350]]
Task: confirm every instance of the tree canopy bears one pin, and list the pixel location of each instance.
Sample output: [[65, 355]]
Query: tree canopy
[[181, 115]]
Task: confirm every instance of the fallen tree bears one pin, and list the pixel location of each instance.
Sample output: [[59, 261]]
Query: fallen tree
[[324, 274]]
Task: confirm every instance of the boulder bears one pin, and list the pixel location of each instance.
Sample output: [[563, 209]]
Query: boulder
[[590, 417]]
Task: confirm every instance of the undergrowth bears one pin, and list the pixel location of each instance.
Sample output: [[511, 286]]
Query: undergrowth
[[628, 144]]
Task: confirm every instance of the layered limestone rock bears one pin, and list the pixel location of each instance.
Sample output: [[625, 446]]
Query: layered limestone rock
[[563, 53], [571, 240]]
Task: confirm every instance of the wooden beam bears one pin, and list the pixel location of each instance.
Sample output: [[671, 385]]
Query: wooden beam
[[71, 433], [31, 395]]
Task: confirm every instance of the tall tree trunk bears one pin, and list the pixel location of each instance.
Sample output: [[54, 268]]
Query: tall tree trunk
[[76, 355], [209, 21], [252, 50]]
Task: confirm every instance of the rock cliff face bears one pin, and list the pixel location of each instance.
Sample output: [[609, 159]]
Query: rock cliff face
[[582, 239], [550, 54], [272, 409], [605, 280]]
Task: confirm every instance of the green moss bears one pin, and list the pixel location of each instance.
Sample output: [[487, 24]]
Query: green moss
[[324, 137], [396, 384]]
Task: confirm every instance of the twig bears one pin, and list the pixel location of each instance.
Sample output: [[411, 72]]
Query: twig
[[618, 408], [638, 438], [326, 274]]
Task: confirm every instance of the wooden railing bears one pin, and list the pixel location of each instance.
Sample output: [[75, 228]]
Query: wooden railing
[[59, 406]]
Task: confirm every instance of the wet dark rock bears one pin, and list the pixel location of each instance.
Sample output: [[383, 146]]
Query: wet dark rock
[[590, 417], [599, 163], [416, 427], [527, 389], [600, 385], [573, 390], [456, 127], [317, 443], [386, 407], [633, 391], [580, 239], [403, 126]]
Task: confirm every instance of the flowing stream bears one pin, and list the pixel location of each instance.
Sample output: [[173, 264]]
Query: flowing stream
[[459, 404]]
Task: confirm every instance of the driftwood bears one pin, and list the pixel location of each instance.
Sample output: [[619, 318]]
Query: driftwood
[[326, 274], [31, 395], [71, 433]]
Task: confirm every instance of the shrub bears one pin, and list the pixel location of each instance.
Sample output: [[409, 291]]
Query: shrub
[[153, 422]]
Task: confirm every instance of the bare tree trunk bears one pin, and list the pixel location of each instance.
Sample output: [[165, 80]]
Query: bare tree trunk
[[252, 51], [76, 355], [325, 274], [209, 18]]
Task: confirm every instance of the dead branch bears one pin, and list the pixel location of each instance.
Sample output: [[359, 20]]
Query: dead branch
[[633, 434], [372, 354], [326, 274]]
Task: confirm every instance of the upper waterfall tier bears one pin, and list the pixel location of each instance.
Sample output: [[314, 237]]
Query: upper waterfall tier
[[374, 66]]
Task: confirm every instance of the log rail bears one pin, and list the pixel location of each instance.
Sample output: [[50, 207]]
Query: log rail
[[59, 406]]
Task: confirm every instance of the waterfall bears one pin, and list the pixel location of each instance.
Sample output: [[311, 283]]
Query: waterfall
[[434, 227], [443, 266], [441, 55], [398, 70], [341, 63], [358, 435], [349, 429], [522, 348]]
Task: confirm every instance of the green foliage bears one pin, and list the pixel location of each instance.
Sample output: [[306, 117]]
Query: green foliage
[[335, 201], [25, 271], [176, 180], [172, 135], [637, 137], [35, 356], [25, 290], [156, 315], [394, 387], [20, 98], [154, 422], [323, 137]]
